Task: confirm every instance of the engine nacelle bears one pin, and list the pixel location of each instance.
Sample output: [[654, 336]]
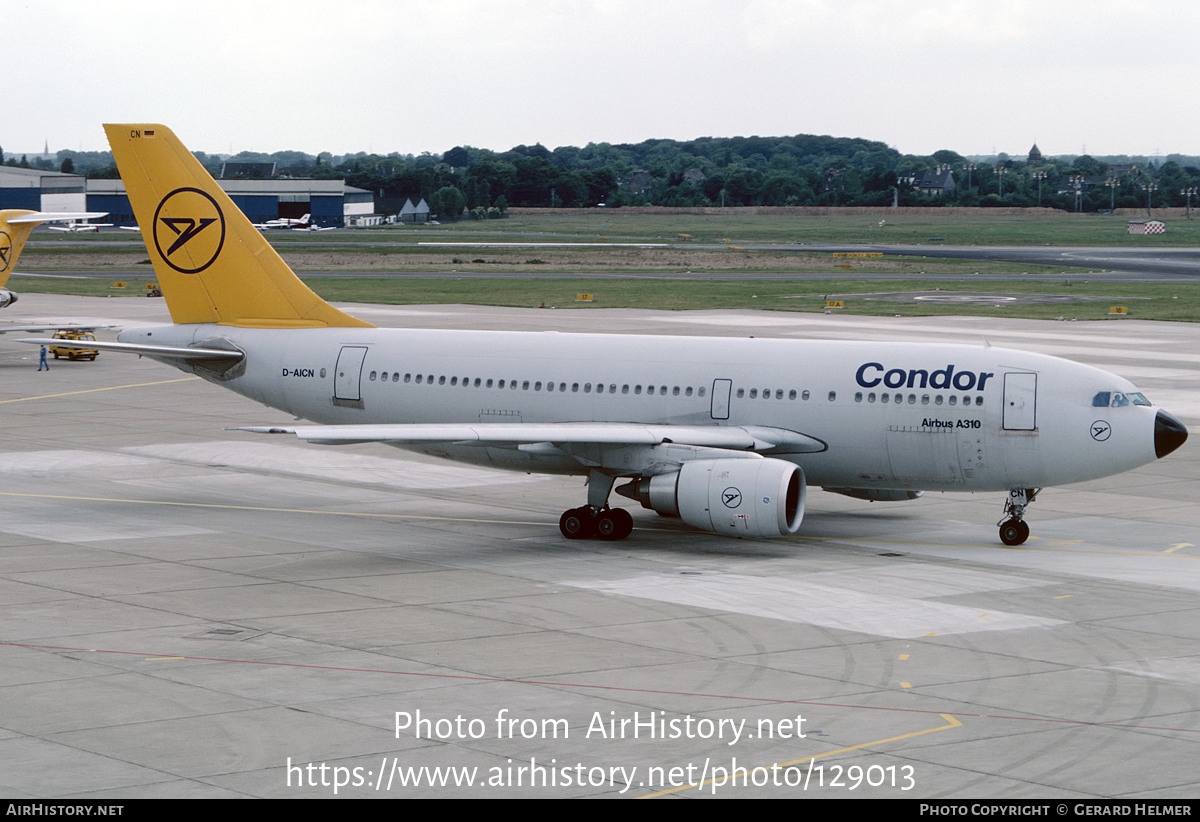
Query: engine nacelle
[[7, 297], [878, 494], [737, 497]]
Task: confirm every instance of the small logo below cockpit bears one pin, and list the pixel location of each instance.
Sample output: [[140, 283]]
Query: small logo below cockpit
[[1101, 430]]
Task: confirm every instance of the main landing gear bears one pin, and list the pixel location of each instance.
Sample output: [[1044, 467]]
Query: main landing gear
[[1014, 530], [596, 519], [607, 523]]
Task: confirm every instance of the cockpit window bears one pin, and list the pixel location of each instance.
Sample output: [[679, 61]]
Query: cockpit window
[[1116, 399]]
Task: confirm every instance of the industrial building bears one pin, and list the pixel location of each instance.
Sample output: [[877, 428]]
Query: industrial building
[[331, 203]]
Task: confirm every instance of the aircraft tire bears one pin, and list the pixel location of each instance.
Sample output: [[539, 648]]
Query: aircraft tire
[[577, 523], [614, 524], [1014, 532]]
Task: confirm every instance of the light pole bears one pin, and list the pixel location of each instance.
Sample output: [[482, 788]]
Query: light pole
[[1112, 183], [1039, 176], [1077, 184], [1000, 172], [1149, 188], [969, 168], [1188, 192]]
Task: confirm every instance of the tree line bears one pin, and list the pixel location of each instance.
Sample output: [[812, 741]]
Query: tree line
[[801, 170]]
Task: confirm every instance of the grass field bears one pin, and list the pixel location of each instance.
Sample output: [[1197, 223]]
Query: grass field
[[396, 251]]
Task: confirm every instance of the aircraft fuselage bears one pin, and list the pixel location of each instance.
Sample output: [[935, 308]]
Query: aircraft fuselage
[[891, 416]]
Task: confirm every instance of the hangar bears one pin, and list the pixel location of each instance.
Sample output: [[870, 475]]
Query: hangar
[[39, 190], [331, 203]]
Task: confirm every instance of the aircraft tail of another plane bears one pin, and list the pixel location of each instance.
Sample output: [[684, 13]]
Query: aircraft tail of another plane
[[212, 264], [12, 240]]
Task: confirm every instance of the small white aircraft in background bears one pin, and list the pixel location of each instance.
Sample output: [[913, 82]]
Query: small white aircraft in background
[[304, 223], [723, 433]]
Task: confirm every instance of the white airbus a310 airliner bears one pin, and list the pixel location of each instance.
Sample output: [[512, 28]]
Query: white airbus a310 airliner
[[724, 433]]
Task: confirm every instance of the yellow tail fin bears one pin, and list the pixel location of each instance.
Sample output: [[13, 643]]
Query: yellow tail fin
[[213, 265], [12, 240]]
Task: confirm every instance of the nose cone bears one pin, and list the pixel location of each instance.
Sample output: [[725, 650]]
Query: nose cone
[[1169, 434]]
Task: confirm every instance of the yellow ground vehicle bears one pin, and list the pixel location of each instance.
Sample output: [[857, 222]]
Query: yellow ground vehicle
[[74, 353]]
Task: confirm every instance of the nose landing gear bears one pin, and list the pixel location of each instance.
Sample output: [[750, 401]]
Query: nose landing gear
[[1014, 530]]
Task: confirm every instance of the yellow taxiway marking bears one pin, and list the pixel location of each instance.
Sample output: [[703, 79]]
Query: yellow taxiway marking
[[951, 723], [93, 390], [1177, 546], [903, 657], [1064, 596], [905, 684]]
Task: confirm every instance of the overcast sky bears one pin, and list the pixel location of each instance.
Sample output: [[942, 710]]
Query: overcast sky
[[1105, 76]]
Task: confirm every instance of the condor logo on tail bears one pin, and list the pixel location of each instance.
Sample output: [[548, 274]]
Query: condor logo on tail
[[189, 230], [5, 250]]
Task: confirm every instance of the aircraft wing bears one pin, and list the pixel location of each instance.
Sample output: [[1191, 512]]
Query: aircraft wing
[[627, 447]]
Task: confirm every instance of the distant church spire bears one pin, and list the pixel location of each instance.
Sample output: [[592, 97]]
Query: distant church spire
[[1035, 156]]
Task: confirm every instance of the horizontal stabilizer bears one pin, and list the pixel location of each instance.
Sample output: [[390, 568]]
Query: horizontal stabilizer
[[160, 351], [38, 217]]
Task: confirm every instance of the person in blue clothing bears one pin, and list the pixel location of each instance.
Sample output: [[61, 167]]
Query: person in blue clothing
[[42, 364]]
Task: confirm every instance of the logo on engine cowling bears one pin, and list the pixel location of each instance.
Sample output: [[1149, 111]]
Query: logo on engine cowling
[[732, 497]]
